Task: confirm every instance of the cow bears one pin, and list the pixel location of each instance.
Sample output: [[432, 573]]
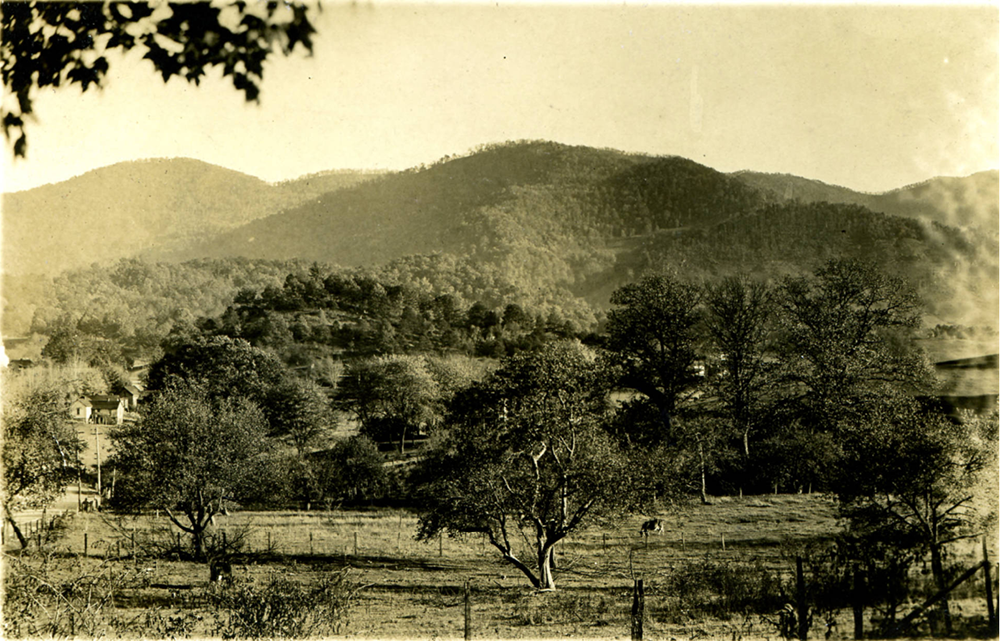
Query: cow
[[220, 570], [652, 526]]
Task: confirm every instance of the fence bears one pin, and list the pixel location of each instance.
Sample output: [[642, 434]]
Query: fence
[[361, 540], [33, 530]]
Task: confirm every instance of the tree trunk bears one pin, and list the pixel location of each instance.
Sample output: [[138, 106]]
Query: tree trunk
[[17, 531], [704, 485], [402, 439], [198, 541], [516, 562], [937, 568], [746, 442], [545, 579]]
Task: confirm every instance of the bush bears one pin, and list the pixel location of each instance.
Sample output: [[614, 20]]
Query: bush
[[721, 589], [46, 595], [562, 608], [277, 607]]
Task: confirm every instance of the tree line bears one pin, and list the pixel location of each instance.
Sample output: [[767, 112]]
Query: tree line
[[810, 383]]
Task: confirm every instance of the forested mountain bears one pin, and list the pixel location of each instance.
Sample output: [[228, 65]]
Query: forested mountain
[[552, 228], [131, 302], [546, 220], [120, 210], [541, 193]]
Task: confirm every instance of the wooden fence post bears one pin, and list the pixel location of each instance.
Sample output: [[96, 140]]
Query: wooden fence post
[[468, 611], [85, 544], [441, 544], [268, 540], [310, 543], [858, 603], [990, 608], [638, 609], [800, 597]]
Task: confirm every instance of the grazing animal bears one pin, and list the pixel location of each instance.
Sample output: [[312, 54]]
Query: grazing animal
[[652, 526], [220, 570]]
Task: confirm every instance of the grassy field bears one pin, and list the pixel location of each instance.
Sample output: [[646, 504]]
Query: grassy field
[[412, 589]]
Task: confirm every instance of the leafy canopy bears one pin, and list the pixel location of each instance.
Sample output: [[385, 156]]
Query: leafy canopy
[[847, 332], [51, 44], [40, 446], [652, 335], [189, 455], [223, 366], [527, 453]]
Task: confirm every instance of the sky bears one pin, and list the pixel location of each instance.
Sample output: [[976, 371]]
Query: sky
[[870, 97]]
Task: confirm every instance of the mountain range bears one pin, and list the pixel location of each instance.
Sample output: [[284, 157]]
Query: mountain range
[[123, 209], [543, 215]]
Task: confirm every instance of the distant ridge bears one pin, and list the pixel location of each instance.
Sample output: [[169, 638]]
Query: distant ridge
[[540, 218], [120, 210], [968, 202], [545, 216]]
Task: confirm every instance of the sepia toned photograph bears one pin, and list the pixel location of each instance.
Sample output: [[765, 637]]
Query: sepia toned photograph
[[499, 320]]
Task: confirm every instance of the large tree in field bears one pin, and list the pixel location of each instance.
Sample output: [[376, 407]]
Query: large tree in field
[[40, 447], [652, 336], [51, 44], [189, 455], [911, 477], [848, 333], [527, 458], [739, 315]]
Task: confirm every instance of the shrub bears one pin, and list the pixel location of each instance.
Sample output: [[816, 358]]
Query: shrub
[[49, 596], [277, 607], [562, 608], [721, 589]]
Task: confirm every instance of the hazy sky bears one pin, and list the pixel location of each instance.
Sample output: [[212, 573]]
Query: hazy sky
[[867, 97]]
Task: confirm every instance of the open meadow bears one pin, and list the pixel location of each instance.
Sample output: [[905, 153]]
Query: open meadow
[[404, 588]]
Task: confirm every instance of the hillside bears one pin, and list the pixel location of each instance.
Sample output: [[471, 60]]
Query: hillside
[[954, 270], [120, 210], [968, 202], [554, 227], [479, 202], [550, 218]]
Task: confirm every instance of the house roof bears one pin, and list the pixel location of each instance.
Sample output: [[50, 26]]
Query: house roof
[[105, 402], [82, 401], [132, 389]]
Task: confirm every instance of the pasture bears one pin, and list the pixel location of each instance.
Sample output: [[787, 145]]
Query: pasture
[[410, 589]]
